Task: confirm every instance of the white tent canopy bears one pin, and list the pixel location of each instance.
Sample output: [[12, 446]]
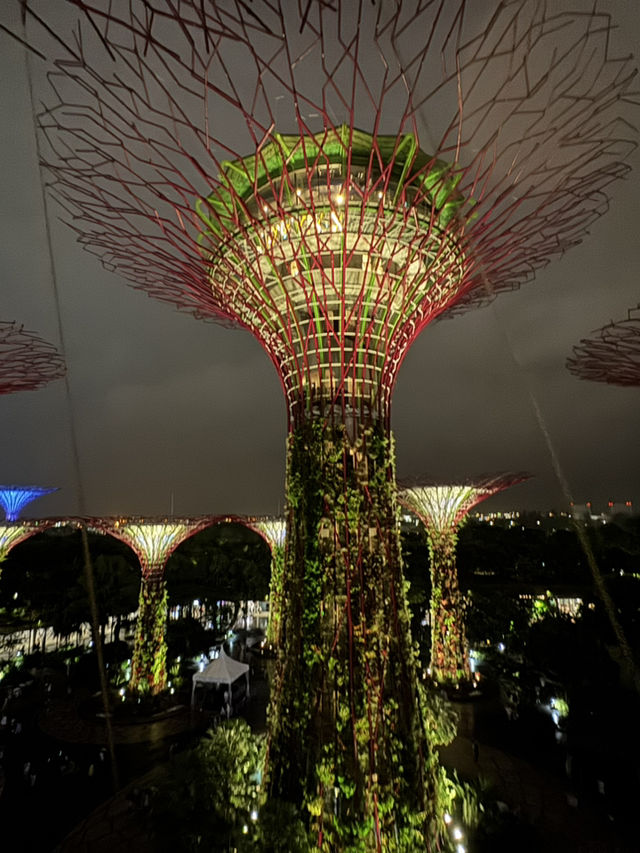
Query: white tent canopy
[[222, 670]]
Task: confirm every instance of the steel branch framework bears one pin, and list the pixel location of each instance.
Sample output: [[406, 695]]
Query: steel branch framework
[[610, 354], [326, 243], [442, 508], [26, 361], [333, 177]]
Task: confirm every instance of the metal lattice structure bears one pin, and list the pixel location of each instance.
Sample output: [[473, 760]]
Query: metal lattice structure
[[334, 177], [26, 361], [12, 534], [153, 541], [442, 507], [610, 354], [13, 499]]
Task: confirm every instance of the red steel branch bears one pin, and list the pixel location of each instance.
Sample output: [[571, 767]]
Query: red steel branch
[[26, 361], [519, 114], [610, 354]]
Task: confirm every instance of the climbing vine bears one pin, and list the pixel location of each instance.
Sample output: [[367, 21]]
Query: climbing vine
[[149, 663], [347, 740], [449, 653]]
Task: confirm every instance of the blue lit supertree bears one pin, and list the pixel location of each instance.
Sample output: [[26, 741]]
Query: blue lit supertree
[[14, 498]]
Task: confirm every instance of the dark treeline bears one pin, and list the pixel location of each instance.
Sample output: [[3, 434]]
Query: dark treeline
[[43, 579]]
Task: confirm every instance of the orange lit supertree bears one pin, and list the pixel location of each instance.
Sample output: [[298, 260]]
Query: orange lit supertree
[[153, 541], [333, 177], [26, 361], [610, 354], [442, 508]]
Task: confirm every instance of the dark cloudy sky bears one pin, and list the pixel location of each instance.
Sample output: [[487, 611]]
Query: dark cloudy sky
[[170, 412]]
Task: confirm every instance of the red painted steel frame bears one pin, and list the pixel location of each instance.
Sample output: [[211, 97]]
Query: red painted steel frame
[[411, 496], [26, 361], [611, 354], [151, 98]]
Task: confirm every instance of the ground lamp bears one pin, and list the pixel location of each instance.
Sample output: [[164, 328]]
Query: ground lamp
[[333, 177], [442, 508], [153, 542]]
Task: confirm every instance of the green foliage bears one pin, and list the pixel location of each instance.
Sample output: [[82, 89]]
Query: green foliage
[[46, 572], [149, 664], [441, 720], [347, 743], [207, 799], [227, 562]]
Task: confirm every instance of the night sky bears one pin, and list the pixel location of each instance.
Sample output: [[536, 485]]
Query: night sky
[[172, 413]]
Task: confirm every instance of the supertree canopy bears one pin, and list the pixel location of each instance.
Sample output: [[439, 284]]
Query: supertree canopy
[[333, 177], [610, 354], [26, 361], [14, 498], [153, 541], [13, 534], [273, 531], [442, 508]]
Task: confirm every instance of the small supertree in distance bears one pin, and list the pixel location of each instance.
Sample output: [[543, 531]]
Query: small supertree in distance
[[333, 177], [13, 499], [153, 541], [442, 508], [14, 533], [274, 531], [26, 361], [610, 354]]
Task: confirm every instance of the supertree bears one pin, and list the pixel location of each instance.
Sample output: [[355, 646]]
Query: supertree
[[14, 533], [26, 361], [273, 531], [442, 508], [14, 498], [333, 177], [610, 354], [153, 541]]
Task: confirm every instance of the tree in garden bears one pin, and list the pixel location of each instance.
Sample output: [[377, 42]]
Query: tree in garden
[[611, 354], [153, 541], [442, 508], [274, 531], [26, 361], [226, 562], [333, 177], [13, 499]]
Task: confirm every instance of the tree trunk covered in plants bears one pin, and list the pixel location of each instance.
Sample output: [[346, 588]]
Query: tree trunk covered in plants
[[149, 664], [346, 738], [274, 628], [449, 653]]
